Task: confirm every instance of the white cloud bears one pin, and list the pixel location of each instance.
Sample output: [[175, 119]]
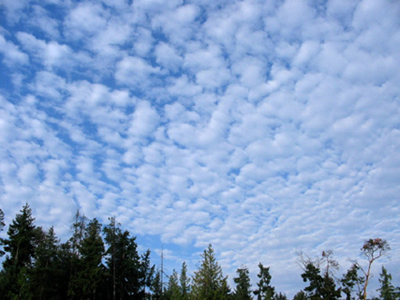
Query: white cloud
[[86, 19], [135, 72], [12, 54], [263, 128], [168, 57]]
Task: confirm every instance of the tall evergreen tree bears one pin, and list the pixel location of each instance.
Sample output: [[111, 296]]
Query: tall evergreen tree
[[280, 296], [208, 281], [20, 249], [44, 275], [243, 286], [91, 249], [2, 224], [387, 291], [174, 290], [352, 283], [184, 281], [128, 272], [72, 256], [301, 295], [320, 287], [264, 291], [156, 287]]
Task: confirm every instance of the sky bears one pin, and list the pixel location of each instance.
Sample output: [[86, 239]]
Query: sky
[[262, 127]]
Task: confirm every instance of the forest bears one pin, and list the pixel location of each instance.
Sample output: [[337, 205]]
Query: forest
[[102, 262]]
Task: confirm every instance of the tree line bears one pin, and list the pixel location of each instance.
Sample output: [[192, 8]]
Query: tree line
[[102, 262]]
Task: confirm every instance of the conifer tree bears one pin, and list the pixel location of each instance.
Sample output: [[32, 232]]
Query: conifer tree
[[72, 256], [208, 281], [2, 224], [20, 249], [301, 295], [243, 286], [352, 283], [174, 291], [184, 281], [156, 287], [46, 282], [320, 287], [128, 272], [264, 291], [387, 291]]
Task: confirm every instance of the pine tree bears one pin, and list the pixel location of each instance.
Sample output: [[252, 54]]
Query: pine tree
[[20, 249], [2, 224], [208, 281], [45, 275], [301, 295], [352, 283], [92, 250], [174, 290], [184, 281], [129, 274], [243, 286], [280, 296], [156, 287], [320, 287], [72, 256], [387, 291], [264, 291]]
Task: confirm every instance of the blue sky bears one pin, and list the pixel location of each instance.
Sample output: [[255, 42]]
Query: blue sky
[[262, 127]]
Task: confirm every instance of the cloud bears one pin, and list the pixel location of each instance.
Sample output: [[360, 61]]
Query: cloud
[[11, 54], [134, 71], [86, 19], [263, 128]]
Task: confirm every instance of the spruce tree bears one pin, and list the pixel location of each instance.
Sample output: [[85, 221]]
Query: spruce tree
[[352, 283], [45, 273], [387, 291], [208, 281], [92, 250], [129, 274], [243, 286], [20, 249], [173, 290], [320, 287], [2, 224], [184, 281], [264, 291]]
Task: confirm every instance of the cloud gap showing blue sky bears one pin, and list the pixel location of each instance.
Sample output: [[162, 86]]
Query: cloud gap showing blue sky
[[262, 127]]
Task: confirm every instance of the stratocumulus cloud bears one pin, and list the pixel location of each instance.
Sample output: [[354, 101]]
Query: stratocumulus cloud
[[262, 128]]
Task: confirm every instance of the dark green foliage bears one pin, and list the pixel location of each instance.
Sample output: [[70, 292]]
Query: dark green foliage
[[301, 295], [2, 224], [128, 273], [352, 283], [20, 249], [243, 286], [72, 256], [47, 280], [320, 287], [208, 281], [280, 296], [264, 291], [156, 287], [38, 267], [184, 281], [91, 272], [387, 291], [174, 290]]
